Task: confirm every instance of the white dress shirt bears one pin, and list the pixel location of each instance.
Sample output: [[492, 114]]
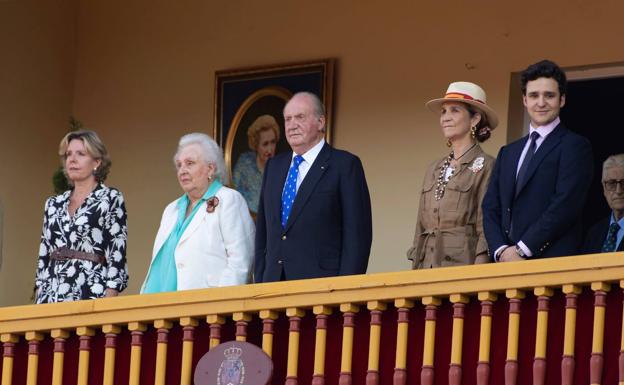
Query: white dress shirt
[[308, 159]]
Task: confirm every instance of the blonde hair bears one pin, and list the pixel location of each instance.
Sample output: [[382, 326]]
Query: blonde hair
[[94, 146], [262, 123]]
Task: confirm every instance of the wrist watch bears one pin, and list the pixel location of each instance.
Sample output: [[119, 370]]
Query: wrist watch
[[520, 251]]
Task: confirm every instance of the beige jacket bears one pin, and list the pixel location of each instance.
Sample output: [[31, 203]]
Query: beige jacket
[[449, 232]]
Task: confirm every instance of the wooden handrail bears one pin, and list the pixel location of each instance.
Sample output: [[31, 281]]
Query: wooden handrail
[[553, 272]]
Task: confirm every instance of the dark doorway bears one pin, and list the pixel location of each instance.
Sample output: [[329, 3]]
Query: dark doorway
[[592, 110]]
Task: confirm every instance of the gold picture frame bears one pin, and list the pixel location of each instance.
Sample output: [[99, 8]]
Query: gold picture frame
[[243, 94]]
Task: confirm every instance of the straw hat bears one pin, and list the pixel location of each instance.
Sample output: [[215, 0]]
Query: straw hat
[[469, 93]]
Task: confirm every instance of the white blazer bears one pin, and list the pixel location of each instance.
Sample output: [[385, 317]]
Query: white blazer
[[216, 249]]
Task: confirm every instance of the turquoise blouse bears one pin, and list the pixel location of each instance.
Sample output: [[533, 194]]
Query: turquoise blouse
[[163, 275]]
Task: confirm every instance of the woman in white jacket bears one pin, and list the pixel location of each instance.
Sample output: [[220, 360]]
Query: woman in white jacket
[[206, 236]]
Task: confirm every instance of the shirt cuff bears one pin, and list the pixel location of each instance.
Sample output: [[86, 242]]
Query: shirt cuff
[[498, 251], [524, 248]]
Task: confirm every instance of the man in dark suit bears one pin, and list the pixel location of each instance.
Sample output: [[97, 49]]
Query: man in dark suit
[[314, 215], [606, 235], [535, 197]]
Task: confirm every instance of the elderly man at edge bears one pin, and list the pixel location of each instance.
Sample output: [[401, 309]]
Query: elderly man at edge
[[606, 235]]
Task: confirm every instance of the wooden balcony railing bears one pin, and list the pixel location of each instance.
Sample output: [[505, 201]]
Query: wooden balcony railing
[[552, 321]]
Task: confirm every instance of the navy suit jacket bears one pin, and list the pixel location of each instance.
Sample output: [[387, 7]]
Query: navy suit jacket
[[596, 236], [329, 230], [546, 213]]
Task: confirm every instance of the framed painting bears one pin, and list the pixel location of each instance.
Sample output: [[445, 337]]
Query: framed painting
[[249, 100]]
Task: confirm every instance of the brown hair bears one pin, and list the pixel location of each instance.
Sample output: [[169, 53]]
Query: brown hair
[[483, 130], [94, 146]]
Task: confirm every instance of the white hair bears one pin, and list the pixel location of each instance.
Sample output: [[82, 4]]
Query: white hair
[[612, 161], [317, 105], [210, 151]]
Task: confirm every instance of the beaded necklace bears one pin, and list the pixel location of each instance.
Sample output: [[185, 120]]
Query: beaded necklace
[[442, 181]]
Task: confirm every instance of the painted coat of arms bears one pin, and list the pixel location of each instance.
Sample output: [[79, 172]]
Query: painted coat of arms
[[232, 369]]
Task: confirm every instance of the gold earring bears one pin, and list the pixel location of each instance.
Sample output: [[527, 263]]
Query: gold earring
[[448, 143], [473, 132]]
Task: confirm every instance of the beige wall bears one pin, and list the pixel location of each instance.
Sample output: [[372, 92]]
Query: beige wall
[[36, 87], [144, 76]]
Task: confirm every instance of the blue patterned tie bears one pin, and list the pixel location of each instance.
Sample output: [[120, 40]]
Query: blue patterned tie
[[609, 243], [290, 189]]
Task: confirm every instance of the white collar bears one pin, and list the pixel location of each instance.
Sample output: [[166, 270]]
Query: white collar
[[310, 155], [546, 129]]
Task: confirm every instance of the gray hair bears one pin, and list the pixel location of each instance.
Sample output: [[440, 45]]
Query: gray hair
[[319, 108], [612, 161], [210, 150]]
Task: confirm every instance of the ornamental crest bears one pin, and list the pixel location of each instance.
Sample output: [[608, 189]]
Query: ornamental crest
[[477, 165], [232, 369]]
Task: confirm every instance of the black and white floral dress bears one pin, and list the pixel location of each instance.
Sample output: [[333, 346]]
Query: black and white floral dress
[[98, 227]]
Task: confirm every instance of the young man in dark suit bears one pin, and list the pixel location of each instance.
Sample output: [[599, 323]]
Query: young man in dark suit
[[537, 191], [606, 235], [314, 215]]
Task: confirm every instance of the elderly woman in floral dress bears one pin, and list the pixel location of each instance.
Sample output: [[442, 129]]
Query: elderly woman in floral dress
[[82, 254]]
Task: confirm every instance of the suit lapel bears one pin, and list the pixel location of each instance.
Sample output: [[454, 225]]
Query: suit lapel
[[195, 222], [168, 225], [515, 150], [316, 171], [547, 146]]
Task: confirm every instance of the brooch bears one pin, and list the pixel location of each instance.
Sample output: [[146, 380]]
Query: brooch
[[477, 165], [211, 204]]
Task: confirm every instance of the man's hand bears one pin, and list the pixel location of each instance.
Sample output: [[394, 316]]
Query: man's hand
[[111, 293], [510, 255]]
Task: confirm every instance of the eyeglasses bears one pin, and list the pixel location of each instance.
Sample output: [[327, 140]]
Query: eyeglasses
[[611, 184]]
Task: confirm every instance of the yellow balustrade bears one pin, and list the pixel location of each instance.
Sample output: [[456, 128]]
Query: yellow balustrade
[[569, 334], [85, 334], [217, 304], [34, 339], [268, 318], [403, 306], [59, 336], [515, 297], [294, 314], [543, 295], [241, 319], [320, 343], [431, 303], [162, 326], [215, 321], [110, 332], [348, 310], [596, 362], [459, 301], [8, 342], [487, 299], [188, 324], [376, 308], [136, 346]]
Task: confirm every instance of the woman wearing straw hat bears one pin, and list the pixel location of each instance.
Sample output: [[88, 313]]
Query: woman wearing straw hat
[[449, 228]]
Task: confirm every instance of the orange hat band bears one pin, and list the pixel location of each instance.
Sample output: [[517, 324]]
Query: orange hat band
[[457, 95]]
